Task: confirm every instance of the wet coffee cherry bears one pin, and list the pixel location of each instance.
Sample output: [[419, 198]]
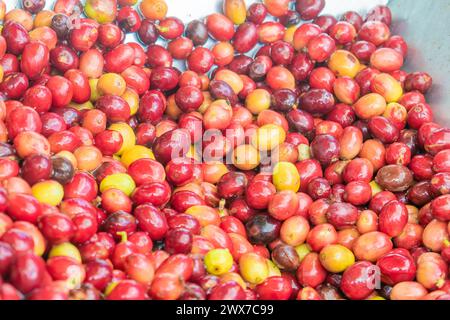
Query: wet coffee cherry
[[62, 170], [197, 32], [285, 257], [33, 6], [262, 229], [395, 178]]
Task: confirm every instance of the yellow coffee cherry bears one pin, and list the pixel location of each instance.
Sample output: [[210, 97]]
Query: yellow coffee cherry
[[395, 111], [302, 251], [95, 95], [135, 153], [336, 258], [194, 153], [387, 86], [82, 106], [369, 106], [48, 192], [286, 177], [42, 19], [207, 100], [218, 261], [88, 157], [268, 137], [213, 171], [258, 100], [110, 287], [375, 188], [344, 64], [253, 267], [274, 271], [65, 249], [111, 83], [246, 157], [289, 34], [361, 67], [304, 152], [101, 11], [153, 9], [132, 98], [121, 181], [235, 10], [231, 78], [205, 215], [128, 136]]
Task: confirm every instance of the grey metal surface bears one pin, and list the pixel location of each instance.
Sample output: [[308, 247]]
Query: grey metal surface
[[425, 24]]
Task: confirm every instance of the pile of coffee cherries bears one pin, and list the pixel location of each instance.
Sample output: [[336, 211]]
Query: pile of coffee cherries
[[292, 158]]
